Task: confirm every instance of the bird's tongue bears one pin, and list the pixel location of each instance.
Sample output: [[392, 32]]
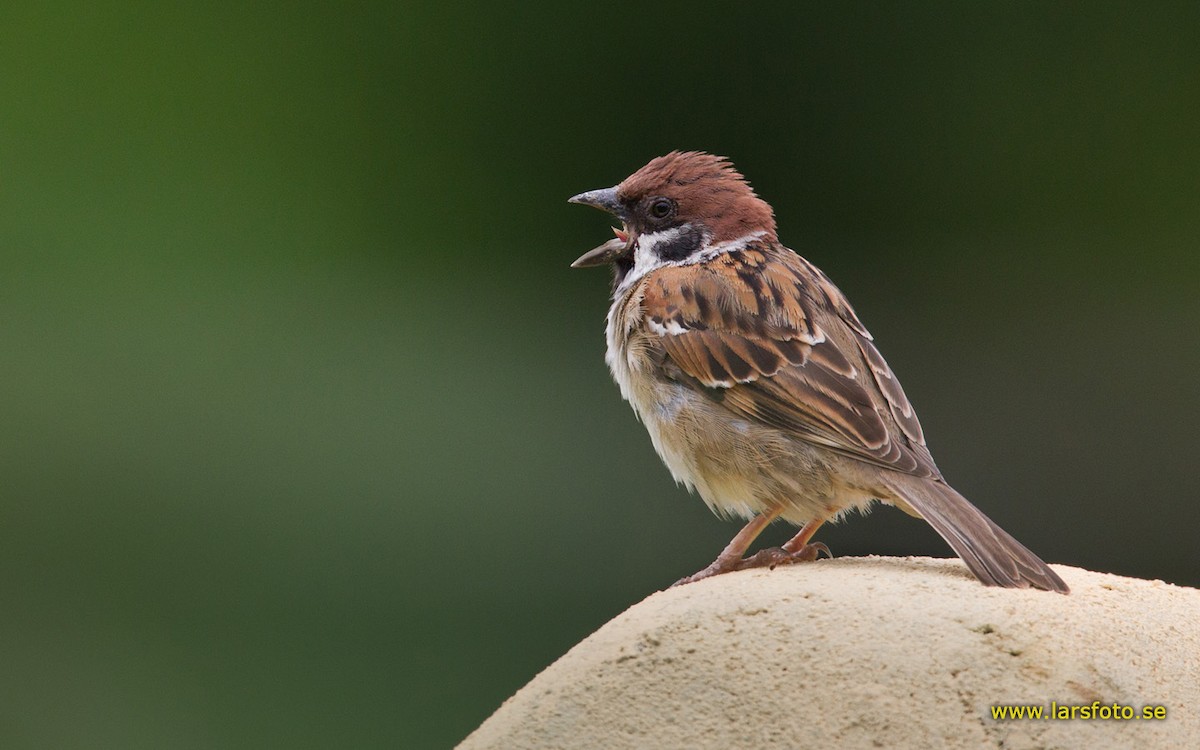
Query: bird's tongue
[[622, 235]]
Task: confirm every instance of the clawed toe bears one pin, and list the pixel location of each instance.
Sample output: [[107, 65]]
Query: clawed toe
[[810, 552], [768, 558], [775, 556], [708, 572]]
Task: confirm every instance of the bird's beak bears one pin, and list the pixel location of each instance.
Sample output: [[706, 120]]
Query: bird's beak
[[604, 199], [607, 253]]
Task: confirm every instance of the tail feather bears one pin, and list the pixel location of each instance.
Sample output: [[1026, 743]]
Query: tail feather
[[992, 555]]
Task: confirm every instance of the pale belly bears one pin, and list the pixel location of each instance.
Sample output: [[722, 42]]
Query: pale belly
[[739, 468]]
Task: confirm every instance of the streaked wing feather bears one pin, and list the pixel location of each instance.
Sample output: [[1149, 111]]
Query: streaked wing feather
[[778, 344]]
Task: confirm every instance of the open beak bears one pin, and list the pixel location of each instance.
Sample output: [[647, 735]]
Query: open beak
[[604, 199], [607, 253]]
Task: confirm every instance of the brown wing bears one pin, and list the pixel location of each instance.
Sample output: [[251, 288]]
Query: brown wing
[[773, 340]]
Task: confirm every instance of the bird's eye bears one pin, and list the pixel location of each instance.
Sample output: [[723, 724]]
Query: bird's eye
[[661, 208]]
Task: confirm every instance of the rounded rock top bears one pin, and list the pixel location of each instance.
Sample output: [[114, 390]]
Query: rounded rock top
[[872, 652]]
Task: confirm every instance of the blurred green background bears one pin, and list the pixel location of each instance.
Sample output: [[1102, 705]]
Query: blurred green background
[[307, 436]]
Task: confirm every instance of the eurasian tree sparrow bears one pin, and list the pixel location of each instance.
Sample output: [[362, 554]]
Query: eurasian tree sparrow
[[758, 384]]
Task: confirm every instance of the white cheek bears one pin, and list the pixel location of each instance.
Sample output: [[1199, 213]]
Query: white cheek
[[645, 255], [645, 259]]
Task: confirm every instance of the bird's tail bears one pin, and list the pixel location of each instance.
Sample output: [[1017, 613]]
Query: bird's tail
[[993, 556]]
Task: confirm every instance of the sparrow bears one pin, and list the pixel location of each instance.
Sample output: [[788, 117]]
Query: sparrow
[[760, 387]]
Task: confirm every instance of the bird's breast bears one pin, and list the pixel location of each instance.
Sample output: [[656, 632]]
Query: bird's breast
[[738, 467], [719, 458]]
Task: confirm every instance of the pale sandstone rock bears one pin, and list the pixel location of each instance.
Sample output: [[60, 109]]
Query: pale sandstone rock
[[865, 653]]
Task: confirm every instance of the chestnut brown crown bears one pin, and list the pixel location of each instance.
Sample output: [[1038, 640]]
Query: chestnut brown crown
[[698, 188]]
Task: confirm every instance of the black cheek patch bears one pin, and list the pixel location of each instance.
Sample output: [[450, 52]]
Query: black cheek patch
[[682, 246]]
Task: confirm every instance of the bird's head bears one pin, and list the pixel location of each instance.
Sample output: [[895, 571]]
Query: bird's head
[[675, 208]]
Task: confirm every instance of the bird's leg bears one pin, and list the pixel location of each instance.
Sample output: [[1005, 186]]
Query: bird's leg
[[731, 557], [796, 549]]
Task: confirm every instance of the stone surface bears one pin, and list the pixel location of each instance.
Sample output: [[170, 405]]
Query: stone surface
[[864, 653]]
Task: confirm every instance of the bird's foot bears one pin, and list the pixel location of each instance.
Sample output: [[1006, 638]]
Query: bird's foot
[[767, 558], [774, 556]]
